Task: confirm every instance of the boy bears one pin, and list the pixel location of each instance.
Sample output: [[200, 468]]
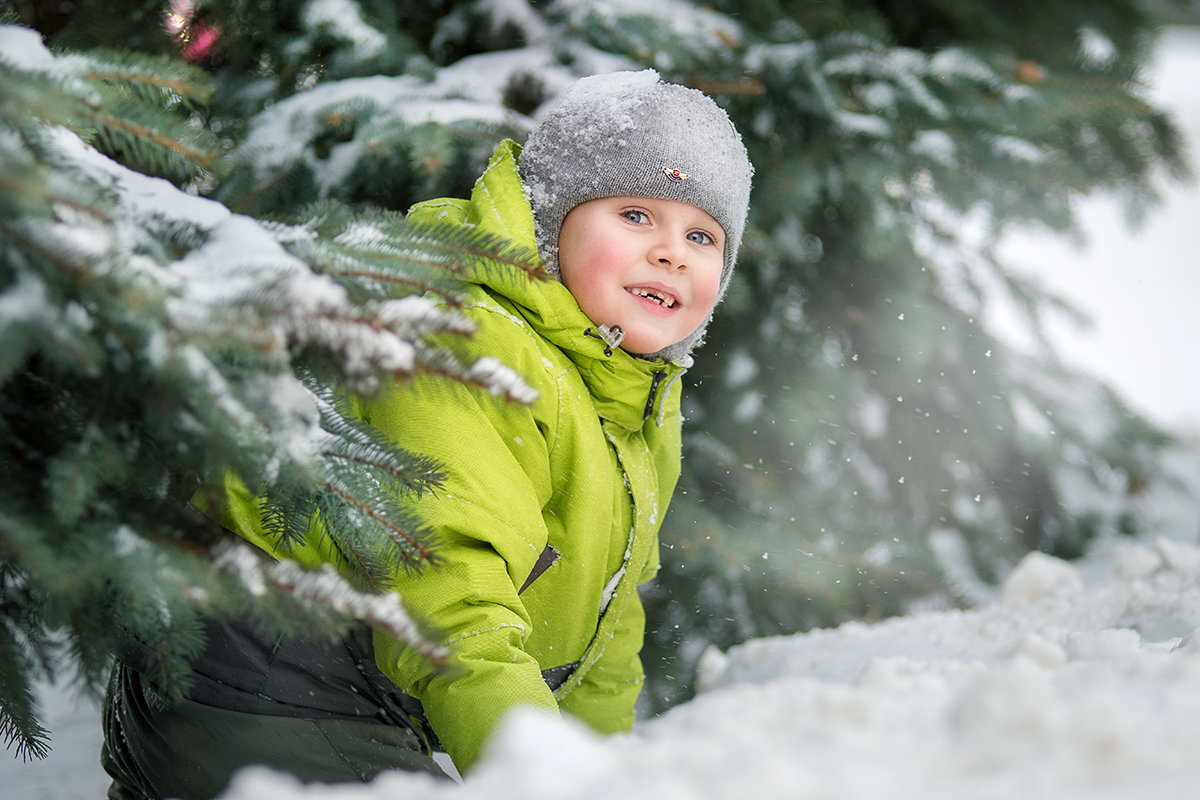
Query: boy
[[635, 193]]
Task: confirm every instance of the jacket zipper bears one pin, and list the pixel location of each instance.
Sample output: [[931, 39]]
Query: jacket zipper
[[657, 379]]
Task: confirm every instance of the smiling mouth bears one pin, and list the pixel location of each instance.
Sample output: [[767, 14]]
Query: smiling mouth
[[664, 300]]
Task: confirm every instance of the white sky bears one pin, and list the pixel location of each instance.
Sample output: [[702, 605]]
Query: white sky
[[1142, 288]]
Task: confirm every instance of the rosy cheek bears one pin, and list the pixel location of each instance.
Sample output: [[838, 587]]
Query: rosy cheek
[[602, 254], [706, 294], [586, 281], [597, 267], [587, 271]]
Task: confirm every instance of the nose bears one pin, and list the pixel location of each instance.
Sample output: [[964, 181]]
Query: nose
[[668, 253]]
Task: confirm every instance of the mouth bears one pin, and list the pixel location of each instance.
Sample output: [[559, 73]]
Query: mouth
[[659, 296]]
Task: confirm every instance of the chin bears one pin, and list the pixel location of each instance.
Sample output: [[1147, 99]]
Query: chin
[[648, 342], [641, 348]]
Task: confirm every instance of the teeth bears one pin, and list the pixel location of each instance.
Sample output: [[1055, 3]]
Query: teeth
[[666, 302]]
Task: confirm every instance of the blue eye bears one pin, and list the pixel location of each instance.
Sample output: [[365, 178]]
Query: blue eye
[[635, 215], [700, 237]]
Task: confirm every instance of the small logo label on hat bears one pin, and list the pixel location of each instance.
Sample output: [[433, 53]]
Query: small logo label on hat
[[675, 174]]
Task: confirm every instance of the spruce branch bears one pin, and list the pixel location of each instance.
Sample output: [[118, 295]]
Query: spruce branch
[[247, 199], [169, 341], [401, 281], [84, 93], [326, 588], [407, 548], [486, 373], [388, 240], [379, 460], [159, 73], [466, 252], [355, 441], [112, 124], [19, 726]]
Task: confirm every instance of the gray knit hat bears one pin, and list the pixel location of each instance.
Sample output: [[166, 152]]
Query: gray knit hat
[[629, 133]]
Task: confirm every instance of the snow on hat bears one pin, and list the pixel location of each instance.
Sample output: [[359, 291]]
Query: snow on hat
[[630, 133]]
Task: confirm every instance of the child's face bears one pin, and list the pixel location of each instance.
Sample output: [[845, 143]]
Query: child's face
[[651, 266]]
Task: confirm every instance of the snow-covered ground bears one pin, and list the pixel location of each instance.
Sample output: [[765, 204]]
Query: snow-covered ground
[[1080, 681], [1076, 681]]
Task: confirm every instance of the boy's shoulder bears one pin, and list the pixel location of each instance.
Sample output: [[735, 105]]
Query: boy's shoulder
[[503, 330]]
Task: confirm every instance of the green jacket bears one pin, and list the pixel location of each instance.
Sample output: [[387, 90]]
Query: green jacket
[[582, 476]]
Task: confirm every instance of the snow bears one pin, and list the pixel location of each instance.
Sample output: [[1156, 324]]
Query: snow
[[22, 46], [282, 133], [702, 27], [472, 89], [141, 196], [344, 19], [1076, 680], [1018, 149], [517, 14], [500, 380], [1072, 680], [1096, 48]]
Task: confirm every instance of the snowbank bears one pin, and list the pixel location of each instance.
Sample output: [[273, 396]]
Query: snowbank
[[1080, 681]]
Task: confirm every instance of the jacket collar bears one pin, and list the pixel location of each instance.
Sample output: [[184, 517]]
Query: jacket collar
[[626, 389]]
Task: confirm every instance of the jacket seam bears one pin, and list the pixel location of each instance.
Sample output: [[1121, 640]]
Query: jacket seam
[[464, 635]]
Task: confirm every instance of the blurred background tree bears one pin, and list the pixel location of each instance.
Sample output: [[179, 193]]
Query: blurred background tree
[[857, 438]]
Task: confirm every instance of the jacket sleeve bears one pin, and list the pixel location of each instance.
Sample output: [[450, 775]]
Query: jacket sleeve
[[490, 533], [606, 696]]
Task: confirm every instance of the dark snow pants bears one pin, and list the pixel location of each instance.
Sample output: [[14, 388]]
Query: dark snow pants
[[319, 713]]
